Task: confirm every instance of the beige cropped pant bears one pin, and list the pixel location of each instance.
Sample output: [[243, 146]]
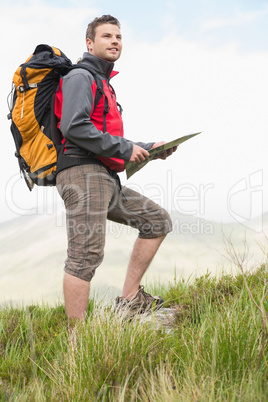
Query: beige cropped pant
[[91, 196]]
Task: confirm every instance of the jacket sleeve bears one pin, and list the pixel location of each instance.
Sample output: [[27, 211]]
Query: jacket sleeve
[[76, 125], [144, 145]]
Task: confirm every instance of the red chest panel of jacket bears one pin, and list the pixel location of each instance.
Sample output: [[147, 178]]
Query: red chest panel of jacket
[[114, 122]]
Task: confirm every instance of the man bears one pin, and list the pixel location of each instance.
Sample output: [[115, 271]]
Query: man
[[87, 181]]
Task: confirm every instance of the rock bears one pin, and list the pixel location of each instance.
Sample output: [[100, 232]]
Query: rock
[[163, 318]]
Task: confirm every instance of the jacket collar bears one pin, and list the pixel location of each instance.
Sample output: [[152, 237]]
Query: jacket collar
[[99, 65]]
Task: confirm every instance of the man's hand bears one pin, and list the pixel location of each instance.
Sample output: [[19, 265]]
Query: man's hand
[[164, 154], [138, 154]]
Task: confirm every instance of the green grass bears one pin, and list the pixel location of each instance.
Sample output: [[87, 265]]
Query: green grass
[[211, 354]]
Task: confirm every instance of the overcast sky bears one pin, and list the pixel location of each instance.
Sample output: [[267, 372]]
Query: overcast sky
[[186, 67]]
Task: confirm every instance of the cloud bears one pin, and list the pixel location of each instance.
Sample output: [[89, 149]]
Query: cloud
[[33, 22], [187, 87], [241, 18]]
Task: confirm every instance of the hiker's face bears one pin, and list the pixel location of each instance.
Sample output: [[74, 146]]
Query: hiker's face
[[107, 43]]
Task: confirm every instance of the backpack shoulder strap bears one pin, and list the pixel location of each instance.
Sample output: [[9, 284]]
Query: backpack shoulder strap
[[99, 83]]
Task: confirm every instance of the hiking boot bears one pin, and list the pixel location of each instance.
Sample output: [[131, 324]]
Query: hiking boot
[[142, 303]]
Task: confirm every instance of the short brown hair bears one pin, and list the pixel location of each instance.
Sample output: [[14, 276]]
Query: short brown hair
[[105, 19]]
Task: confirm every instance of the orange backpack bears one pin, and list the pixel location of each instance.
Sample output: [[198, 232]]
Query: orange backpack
[[34, 128], [33, 125]]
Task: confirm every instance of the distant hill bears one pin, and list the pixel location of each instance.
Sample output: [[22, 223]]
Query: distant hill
[[33, 250]]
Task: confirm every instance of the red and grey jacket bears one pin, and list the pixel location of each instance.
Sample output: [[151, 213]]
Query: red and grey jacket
[[83, 126]]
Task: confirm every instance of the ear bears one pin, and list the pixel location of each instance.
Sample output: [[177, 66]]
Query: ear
[[89, 44]]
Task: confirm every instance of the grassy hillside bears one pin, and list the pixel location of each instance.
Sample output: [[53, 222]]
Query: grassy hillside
[[33, 250], [216, 350]]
